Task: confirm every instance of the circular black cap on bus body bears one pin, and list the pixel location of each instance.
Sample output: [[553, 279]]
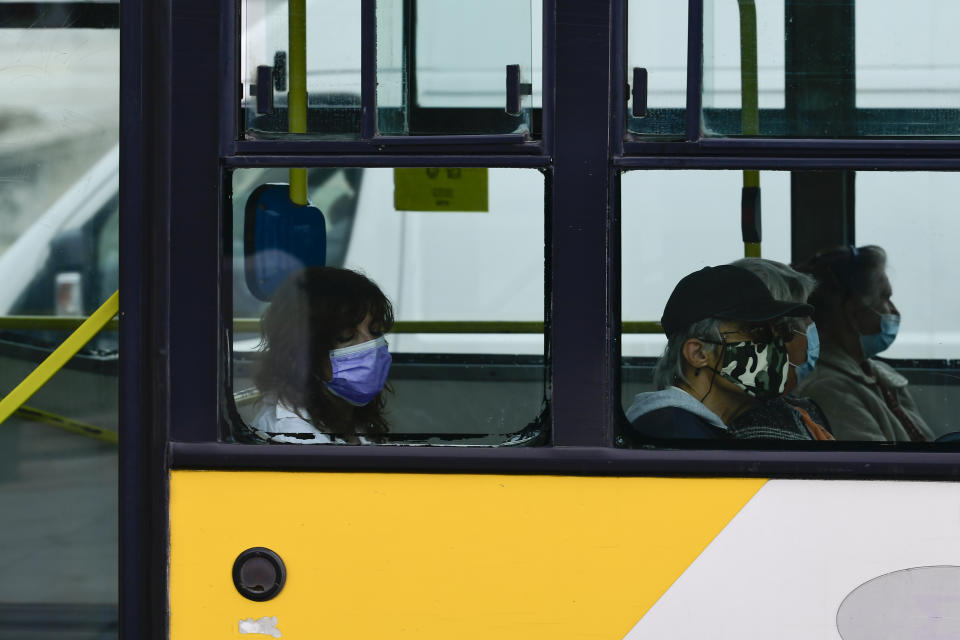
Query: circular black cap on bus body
[[259, 574], [725, 292]]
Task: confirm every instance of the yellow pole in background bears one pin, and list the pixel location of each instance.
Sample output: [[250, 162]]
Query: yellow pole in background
[[55, 361], [297, 96], [749, 105], [67, 424]]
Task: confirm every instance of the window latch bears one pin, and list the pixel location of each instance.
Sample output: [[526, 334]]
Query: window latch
[[515, 89], [270, 79], [264, 89], [639, 93]]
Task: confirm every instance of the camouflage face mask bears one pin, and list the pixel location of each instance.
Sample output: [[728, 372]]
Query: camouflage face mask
[[759, 368]]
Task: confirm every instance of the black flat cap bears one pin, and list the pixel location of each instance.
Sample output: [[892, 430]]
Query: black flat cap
[[728, 293]]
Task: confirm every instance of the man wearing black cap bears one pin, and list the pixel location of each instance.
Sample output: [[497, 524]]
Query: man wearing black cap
[[725, 352]]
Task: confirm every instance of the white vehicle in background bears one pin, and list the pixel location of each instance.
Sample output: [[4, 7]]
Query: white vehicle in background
[[66, 263], [433, 265], [488, 266]]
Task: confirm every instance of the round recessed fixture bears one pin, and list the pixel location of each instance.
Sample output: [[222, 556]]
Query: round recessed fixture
[[259, 574]]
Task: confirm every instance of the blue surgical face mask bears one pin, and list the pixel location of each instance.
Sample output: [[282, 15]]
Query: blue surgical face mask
[[359, 371], [813, 353], [878, 342]]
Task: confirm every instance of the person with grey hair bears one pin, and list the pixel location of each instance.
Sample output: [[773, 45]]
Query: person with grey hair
[[863, 398], [725, 353], [786, 417], [786, 283]]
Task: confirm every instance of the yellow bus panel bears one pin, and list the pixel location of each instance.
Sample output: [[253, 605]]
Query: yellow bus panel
[[433, 556]]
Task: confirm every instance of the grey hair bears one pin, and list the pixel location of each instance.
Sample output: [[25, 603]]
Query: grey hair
[[670, 366], [873, 265], [846, 271], [783, 282]]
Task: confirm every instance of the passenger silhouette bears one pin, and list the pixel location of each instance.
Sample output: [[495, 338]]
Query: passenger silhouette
[[786, 417], [324, 360], [725, 353], [863, 398]]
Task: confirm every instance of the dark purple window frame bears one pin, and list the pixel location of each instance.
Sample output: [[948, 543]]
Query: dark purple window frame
[[584, 150], [179, 139]]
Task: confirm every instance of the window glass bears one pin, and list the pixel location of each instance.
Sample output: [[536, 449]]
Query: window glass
[[442, 67], [826, 70], [459, 74], [392, 86], [662, 211], [911, 215], [458, 253], [329, 73], [675, 223], [58, 256], [727, 29], [657, 45]]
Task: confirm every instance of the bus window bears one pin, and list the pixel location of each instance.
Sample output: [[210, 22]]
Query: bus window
[[462, 52], [441, 67], [822, 73], [330, 77], [677, 222], [912, 216], [464, 273], [58, 254], [674, 222], [657, 56]]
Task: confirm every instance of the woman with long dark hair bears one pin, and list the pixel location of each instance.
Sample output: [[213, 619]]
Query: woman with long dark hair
[[325, 361]]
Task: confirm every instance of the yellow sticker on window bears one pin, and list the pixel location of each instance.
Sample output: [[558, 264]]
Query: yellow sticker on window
[[441, 189]]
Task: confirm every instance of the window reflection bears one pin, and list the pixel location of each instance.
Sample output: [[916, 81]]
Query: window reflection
[[834, 69], [900, 307], [59, 255], [657, 45], [458, 252], [441, 67]]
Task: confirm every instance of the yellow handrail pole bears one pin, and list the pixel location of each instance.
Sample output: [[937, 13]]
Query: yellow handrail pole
[[252, 325], [749, 117], [60, 356], [297, 96], [749, 91], [48, 323], [67, 424]]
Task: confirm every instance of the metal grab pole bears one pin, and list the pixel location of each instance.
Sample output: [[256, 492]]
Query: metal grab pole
[[297, 97], [750, 126], [55, 361]]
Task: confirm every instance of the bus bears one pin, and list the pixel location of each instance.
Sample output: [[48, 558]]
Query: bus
[[527, 181]]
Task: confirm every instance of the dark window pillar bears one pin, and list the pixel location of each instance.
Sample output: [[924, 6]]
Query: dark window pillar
[[820, 103], [581, 262]]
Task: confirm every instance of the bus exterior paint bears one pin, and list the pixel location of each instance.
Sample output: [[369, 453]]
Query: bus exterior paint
[[787, 563], [528, 557], [373, 555], [363, 553]]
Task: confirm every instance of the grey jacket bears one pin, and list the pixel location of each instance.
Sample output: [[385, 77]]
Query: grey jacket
[[644, 403], [852, 400]]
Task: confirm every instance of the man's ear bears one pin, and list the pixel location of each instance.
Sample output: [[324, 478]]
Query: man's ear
[[695, 354]]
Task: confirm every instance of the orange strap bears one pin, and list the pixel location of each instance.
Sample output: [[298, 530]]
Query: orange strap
[[818, 432]]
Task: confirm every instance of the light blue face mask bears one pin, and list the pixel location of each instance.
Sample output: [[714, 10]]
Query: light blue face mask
[[878, 342], [813, 353], [360, 371]]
